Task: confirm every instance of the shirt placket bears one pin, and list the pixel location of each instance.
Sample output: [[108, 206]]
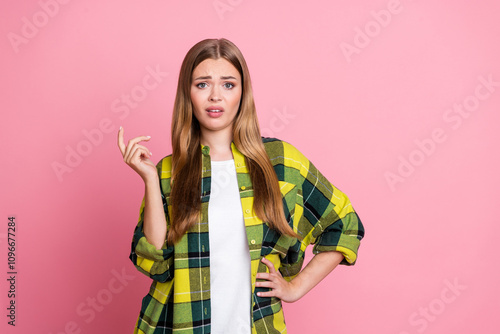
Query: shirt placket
[[241, 168], [205, 184]]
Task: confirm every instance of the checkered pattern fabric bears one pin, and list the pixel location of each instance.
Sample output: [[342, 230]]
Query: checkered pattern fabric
[[179, 297]]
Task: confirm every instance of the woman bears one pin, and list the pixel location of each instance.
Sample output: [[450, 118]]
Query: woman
[[226, 218]]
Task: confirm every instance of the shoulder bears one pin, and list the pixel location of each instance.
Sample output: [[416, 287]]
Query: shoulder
[[276, 148], [285, 155]]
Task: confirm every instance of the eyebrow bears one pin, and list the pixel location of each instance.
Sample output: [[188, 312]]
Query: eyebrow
[[210, 77]]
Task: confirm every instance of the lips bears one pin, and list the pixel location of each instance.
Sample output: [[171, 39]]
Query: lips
[[215, 109]]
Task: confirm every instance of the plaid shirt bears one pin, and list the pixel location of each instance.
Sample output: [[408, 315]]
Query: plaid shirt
[[179, 297]]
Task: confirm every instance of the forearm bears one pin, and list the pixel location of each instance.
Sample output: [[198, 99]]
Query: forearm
[[315, 271], [154, 224]]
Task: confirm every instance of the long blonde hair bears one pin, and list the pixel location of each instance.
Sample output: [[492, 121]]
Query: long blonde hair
[[186, 148]]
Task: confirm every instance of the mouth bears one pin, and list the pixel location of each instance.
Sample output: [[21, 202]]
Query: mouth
[[215, 109]]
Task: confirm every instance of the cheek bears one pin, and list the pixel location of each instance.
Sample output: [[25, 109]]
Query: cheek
[[235, 100], [195, 99]]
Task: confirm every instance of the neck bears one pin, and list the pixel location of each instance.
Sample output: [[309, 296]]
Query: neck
[[219, 143]]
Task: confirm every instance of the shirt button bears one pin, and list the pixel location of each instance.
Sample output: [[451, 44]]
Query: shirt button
[[243, 188], [252, 242], [247, 211], [238, 164]]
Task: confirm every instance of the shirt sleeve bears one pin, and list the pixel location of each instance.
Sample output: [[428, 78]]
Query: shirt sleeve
[[339, 229], [328, 220], [157, 264]]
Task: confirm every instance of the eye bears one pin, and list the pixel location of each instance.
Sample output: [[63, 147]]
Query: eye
[[201, 85], [228, 85]]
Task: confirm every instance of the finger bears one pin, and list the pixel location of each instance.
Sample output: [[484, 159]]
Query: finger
[[144, 149], [137, 154], [121, 143], [139, 139], [265, 276], [271, 293], [269, 264], [266, 284], [134, 141], [132, 153]]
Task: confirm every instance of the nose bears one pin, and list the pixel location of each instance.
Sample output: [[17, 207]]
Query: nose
[[215, 95]]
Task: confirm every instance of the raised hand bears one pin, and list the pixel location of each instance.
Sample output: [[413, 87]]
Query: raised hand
[[137, 156]]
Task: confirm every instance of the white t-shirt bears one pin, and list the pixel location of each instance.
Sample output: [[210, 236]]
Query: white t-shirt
[[230, 284]]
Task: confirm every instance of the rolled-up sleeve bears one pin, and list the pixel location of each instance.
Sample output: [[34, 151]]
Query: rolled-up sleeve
[[328, 219], [339, 229], [157, 264]]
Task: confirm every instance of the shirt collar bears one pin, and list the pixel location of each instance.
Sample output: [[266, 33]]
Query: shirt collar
[[205, 149], [239, 158]]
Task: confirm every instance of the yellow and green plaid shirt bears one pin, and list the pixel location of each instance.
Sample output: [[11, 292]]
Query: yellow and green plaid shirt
[[179, 297]]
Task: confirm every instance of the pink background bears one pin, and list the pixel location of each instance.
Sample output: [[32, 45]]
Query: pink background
[[362, 88]]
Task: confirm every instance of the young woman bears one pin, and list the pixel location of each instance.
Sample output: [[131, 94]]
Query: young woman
[[226, 218]]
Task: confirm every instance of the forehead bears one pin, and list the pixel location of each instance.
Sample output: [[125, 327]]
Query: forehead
[[216, 68]]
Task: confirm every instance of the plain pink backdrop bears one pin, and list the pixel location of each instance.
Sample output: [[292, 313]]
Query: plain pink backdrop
[[367, 90]]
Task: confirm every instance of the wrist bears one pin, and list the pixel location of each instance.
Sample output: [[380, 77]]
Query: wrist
[[297, 288], [151, 180]]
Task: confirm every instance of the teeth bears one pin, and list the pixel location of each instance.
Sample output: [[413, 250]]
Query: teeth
[[215, 110]]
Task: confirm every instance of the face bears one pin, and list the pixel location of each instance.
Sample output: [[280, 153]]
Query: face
[[215, 94]]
